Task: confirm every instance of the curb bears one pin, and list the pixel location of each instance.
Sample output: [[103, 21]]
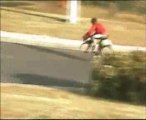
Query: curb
[[46, 41], [39, 40]]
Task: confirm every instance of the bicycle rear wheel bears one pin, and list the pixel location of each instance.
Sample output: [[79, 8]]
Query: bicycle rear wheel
[[107, 51]]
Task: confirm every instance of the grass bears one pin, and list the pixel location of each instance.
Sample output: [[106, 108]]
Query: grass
[[22, 101], [111, 13], [124, 32]]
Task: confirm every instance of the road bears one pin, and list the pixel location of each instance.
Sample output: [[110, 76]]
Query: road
[[47, 67]]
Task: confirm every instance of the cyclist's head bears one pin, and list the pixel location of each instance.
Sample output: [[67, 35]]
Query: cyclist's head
[[93, 20]]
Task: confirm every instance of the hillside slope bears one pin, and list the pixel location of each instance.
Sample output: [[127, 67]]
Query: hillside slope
[[20, 101]]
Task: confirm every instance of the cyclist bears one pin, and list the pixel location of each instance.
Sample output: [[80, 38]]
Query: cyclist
[[96, 32]]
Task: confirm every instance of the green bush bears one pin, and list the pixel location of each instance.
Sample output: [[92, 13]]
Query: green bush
[[120, 77]]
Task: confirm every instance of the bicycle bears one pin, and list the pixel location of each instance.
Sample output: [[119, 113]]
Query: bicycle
[[104, 47]]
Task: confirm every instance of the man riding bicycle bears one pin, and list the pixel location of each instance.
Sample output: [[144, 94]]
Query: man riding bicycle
[[96, 32]]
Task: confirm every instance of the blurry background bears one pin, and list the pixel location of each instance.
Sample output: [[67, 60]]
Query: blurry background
[[124, 19], [123, 10]]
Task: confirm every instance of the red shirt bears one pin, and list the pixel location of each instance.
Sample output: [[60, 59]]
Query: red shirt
[[96, 28]]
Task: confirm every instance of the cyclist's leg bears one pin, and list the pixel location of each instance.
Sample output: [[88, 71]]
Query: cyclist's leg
[[95, 45], [88, 47], [89, 39], [99, 46], [89, 42], [85, 42], [96, 39]]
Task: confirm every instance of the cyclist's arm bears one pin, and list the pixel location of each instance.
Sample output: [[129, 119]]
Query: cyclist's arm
[[90, 32]]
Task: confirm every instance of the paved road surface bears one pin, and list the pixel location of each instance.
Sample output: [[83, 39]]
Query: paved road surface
[[48, 67]]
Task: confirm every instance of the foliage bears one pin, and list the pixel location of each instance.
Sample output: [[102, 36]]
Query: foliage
[[121, 77]]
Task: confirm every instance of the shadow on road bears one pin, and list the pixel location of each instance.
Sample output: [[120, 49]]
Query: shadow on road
[[59, 52], [46, 81]]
